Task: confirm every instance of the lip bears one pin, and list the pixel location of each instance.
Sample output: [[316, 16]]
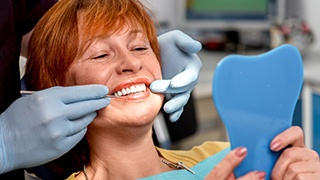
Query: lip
[[130, 83]]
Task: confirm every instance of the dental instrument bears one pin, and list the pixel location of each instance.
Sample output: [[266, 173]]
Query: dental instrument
[[25, 92]]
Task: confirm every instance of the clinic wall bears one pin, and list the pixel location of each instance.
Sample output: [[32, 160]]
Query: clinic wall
[[310, 12], [165, 11]]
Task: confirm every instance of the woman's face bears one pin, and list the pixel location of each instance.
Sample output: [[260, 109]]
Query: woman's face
[[126, 64]]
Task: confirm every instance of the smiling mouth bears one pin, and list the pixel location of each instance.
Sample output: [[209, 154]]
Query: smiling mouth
[[131, 90]]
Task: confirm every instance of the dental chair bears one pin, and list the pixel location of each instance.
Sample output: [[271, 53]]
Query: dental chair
[[165, 132]]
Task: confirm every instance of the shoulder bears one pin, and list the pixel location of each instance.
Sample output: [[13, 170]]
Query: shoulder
[[196, 154], [73, 176]]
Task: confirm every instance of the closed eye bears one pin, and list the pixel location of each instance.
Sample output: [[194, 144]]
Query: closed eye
[[140, 49], [100, 56]]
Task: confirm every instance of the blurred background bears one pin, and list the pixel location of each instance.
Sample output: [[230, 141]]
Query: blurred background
[[240, 27]]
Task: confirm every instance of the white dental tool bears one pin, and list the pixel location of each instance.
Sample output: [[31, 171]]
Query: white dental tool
[[24, 92]]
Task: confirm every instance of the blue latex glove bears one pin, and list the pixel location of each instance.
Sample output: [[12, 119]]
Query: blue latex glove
[[43, 126], [180, 70]]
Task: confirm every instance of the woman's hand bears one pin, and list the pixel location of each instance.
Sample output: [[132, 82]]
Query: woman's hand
[[224, 170], [296, 161]]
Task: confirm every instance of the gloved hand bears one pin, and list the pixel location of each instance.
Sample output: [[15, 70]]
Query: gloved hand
[[43, 126], [180, 70]]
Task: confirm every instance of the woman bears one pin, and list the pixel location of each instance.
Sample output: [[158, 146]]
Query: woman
[[114, 43]]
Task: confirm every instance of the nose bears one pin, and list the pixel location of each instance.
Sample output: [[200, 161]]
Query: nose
[[128, 63]]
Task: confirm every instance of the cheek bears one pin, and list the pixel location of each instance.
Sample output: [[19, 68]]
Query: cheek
[[83, 75], [70, 78], [156, 70]]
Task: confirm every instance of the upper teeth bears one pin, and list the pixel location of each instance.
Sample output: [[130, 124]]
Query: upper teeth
[[132, 89]]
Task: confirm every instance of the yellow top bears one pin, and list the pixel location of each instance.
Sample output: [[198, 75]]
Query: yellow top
[[190, 157]]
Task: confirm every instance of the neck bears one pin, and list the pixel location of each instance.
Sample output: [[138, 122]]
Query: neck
[[127, 155]]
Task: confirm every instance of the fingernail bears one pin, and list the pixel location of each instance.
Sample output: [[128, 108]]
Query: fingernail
[[275, 145], [241, 151], [261, 174]]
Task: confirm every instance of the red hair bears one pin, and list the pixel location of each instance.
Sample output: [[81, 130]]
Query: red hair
[[55, 42]]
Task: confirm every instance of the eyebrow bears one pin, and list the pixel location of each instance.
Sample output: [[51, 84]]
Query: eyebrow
[[135, 32]]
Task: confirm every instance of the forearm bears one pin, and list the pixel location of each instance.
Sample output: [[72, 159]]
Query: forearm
[[3, 153], [2, 160]]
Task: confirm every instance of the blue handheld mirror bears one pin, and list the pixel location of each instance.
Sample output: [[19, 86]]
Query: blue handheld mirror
[[255, 97]]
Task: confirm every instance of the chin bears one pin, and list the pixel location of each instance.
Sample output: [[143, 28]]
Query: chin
[[142, 114], [132, 113]]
